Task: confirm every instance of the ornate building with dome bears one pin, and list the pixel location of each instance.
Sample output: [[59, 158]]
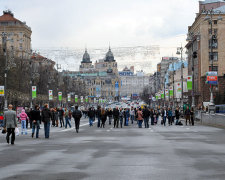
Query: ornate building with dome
[[101, 78]]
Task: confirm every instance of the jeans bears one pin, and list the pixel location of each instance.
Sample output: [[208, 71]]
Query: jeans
[[177, 121], [146, 120], [116, 122], [91, 121], [121, 121], [127, 121], [99, 121], [61, 121], [9, 132], [37, 127], [1, 123], [67, 122], [47, 129], [140, 123], [170, 120], [164, 120], [152, 120], [132, 119], [23, 127]]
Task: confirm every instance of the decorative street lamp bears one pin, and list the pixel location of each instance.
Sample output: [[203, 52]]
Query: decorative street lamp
[[210, 19], [180, 52]]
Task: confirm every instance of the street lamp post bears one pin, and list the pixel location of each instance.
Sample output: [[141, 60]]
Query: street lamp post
[[180, 52], [4, 39], [209, 18]]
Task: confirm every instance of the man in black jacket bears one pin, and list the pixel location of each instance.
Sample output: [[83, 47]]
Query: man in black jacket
[[77, 115], [46, 115], [36, 119], [91, 115], [146, 114], [116, 114]]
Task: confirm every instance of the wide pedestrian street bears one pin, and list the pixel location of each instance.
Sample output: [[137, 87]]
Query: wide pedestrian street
[[130, 153]]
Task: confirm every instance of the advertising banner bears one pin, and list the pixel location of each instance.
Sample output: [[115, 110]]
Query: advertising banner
[[81, 99], [167, 93], [86, 99], [189, 83], [95, 101], [2, 91], [60, 96], [76, 98], [69, 97], [171, 92], [50, 93], [34, 92], [162, 94], [212, 78]]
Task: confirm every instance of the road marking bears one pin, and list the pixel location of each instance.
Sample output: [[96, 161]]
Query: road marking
[[74, 127]]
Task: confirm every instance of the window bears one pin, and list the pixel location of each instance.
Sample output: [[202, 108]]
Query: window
[[215, 21], [213, 56], [213, 43], [215, 68], [214, 31]]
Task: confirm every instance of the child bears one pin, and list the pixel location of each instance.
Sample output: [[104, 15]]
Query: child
[[23, 118]]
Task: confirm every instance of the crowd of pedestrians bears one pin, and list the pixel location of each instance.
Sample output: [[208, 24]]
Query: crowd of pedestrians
[[117, 117]]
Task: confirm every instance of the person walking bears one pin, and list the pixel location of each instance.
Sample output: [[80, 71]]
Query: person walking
[[23, 118], [140, 118], [132, 114], [192, 116], [61, 114], [46, 117], [170, 115], [77, 116], [121, 117], [98, 113], [146, 114], [103, 117], [36, 119], [110, 113], [156, 116], [177, 115], [56, 117], [152, 116], [66, 114], [91, 115], [53, 117], [187, 115], [164, 116], [127, 116], [116, 114], [10, 123]]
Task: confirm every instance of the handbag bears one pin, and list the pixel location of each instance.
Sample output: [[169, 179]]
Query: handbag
[[17, 132], [4, 131]]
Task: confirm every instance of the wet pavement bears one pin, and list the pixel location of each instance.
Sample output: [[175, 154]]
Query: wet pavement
[[156, 153]]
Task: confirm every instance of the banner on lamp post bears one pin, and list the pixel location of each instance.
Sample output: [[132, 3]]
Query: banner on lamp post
[[60, 96], [34, 92], [167, 93], [156, 96], [159, 95], [162, 94], [69, 97], [76, 98], [2, 90], [86, 99], [171, 92], [189, 83], [81, 99], [178, 93], [50, 93], [95, 101]]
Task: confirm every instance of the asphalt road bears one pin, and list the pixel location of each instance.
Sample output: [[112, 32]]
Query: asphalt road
[[157, 153]]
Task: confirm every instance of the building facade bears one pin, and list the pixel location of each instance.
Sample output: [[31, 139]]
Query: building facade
[[18, 35], [132, 85], [199, 41]]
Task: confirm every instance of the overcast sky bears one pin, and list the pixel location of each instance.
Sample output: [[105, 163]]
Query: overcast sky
[[74, 23]]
